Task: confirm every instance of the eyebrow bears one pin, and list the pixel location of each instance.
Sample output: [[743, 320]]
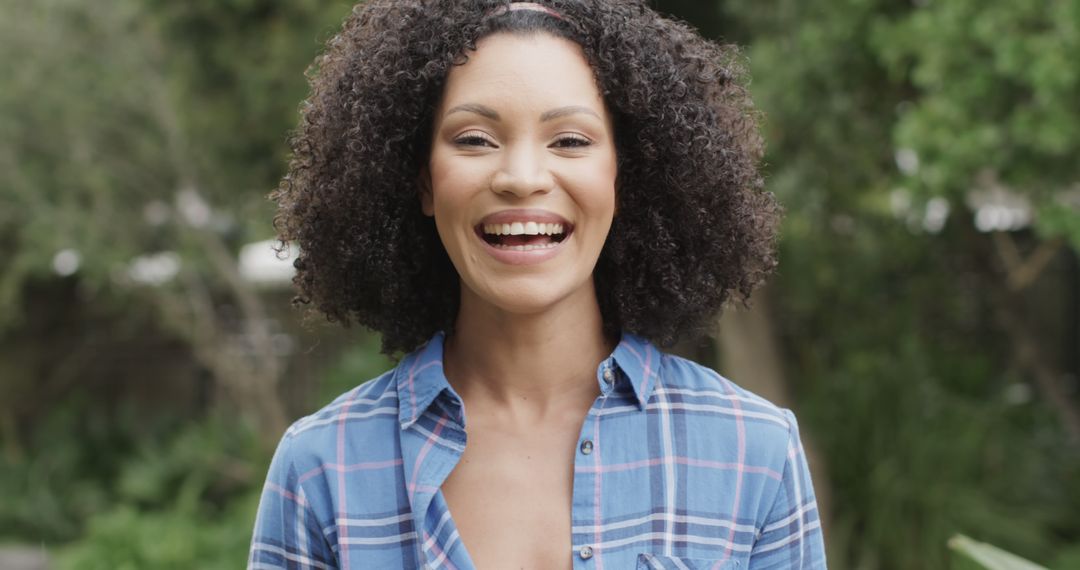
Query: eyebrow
[[488, 112], [482, 110]]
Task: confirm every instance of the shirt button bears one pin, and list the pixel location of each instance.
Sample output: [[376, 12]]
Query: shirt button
[[586, 448], [608, 376], [585, 553]]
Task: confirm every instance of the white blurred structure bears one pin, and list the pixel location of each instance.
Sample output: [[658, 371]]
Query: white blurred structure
[[154, 269], [66, 262], [261, 264], [996, 207], [929, 217]]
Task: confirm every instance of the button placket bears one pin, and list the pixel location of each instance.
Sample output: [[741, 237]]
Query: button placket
[[584, 502]]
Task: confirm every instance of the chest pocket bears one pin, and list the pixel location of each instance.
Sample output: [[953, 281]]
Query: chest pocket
[[661, 562]]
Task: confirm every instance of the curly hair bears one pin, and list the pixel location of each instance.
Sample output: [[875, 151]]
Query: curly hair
[[693, 226]]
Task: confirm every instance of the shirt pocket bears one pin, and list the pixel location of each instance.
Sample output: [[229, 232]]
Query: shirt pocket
[[661, 562]]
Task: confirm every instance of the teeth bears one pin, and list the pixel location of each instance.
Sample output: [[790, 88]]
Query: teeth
[[529, 247], [523, 228]]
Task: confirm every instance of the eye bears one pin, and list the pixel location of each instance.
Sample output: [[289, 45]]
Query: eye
[[572, 141], [473, 138]]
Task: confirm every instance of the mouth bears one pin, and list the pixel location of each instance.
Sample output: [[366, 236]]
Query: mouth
[[524, 235], [524, 230]]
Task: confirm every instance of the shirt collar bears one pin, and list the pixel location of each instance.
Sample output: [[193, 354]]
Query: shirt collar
[[420, 380], [420, 376], [639, 361]]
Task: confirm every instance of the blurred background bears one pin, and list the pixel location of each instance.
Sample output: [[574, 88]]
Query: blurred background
[[924, 324]]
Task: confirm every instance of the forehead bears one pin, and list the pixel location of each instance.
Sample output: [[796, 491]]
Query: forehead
[[521, 70]]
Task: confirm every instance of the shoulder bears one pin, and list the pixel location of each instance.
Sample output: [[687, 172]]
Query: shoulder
[[754, 443], [300, 493], [366, 413], [766, 430]]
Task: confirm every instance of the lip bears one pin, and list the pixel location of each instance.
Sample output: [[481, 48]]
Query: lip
[[513, 257], [525, 215]]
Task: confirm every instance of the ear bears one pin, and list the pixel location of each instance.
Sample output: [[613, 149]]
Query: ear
[[423, 184]]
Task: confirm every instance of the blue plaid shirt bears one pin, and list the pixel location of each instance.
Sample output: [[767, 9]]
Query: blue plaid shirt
[[682, 469]]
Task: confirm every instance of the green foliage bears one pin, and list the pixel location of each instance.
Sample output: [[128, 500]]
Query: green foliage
[[997, 90], [828, 103], [84, 463], [909, 407], [132, 120], [1058, 219], [974, 92], [60, 480], [1068, 557], [901, 376], [119, 490], [204, 464], [125, 538], [360, 363], [239, 66]]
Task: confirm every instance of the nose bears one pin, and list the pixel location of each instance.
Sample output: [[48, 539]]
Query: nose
[[524, 171]]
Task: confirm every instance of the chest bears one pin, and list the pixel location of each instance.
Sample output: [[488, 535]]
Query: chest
[[510, 496], [616, 483]]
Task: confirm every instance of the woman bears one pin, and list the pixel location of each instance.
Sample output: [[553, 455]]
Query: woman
[[527, 196]]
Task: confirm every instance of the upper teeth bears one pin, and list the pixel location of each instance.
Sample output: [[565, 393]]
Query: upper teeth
[[523, 228]]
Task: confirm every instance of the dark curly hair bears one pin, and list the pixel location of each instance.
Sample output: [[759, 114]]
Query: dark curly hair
[[693, 226]]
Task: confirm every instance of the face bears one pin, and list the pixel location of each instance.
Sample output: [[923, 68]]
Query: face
[[521, 179]]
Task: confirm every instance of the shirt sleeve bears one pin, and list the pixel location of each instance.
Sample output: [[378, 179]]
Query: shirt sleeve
[[287, 533], [791, 536]]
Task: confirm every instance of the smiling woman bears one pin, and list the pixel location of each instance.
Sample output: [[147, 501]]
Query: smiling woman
[[527, 198]]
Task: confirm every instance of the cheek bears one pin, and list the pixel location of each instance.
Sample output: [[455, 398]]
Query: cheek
[[445, 195], [453, 183], [597, 189]]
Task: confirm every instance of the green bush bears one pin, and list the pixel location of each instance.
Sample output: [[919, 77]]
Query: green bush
[[117, 492], [185, 499], [62, 474], [126, 538]]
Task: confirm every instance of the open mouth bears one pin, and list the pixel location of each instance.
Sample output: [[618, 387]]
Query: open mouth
[[524, 236]]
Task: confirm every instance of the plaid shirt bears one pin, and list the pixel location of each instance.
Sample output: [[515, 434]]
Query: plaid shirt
[[676, 467]]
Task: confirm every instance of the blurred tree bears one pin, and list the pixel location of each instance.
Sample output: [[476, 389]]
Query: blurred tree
[[141, 138], [953, 106], [992, 124], [894, 128]]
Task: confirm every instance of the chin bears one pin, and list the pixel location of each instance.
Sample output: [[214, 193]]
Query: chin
[[529, 296]]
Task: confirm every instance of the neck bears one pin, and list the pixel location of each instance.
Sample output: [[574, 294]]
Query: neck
[[527, 366]]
